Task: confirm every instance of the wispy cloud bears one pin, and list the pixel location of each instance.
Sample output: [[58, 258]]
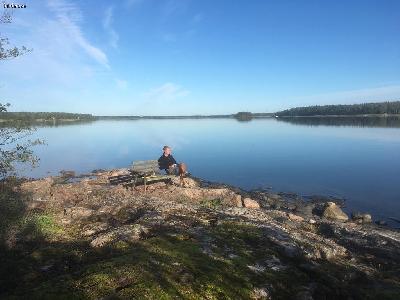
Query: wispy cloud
[[69, 16], [167, 91], [107, 24], [65, 71]]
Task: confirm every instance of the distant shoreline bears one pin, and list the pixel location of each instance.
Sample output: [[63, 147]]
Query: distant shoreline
[[363, 110], [254, 116]]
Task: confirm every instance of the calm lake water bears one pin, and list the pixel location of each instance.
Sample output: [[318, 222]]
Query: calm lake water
[[358, 160]]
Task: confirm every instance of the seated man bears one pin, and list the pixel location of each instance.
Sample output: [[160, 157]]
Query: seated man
[[167, 162]]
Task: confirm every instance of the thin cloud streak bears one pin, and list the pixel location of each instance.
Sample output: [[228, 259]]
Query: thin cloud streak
[[167, 91], [69, 16], [107, 25]]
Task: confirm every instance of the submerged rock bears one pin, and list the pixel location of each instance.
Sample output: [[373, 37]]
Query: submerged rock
[[65, 173], [381, 222]]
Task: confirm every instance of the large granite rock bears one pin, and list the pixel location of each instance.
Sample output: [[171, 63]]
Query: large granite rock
[[334, 212], [250, 203]]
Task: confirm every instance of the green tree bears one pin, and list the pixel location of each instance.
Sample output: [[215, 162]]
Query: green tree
[[379, 108], [243, 116], [15, 145]]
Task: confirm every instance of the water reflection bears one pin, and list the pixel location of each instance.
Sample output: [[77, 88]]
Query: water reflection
[[47, 123], [353, 158], [393, 122], [390, 121]]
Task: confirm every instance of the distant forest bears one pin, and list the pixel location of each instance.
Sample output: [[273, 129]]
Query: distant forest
[[43, 116], [162, 117], [343, 110], [247, 116], [381, 108]]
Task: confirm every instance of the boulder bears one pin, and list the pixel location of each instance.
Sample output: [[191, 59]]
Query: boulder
[[118, 172], [250, 203], [334, 212], [237, 201], [260, 294], [128, 233], [187, 182], [78, 212], [361, 218]]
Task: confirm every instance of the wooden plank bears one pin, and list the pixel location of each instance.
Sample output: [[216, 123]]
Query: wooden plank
[[140, 180], [119, 177], [139, 162], [159, 177], [142, 171], [120, 181], [145, 162], [144, 168]]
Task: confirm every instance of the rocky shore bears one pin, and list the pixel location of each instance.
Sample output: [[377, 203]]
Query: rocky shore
[[83, 238]]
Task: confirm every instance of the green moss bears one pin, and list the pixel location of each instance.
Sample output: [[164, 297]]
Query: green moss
[[40, 226], [212, 263], [167, 266], [211, 203]]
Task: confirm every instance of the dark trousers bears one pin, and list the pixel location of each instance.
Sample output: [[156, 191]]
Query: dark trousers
[[173, 170]]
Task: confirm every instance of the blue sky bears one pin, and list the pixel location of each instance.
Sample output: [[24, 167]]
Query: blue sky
[[163, 57]]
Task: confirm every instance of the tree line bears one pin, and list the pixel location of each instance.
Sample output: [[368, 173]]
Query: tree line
[[46, 116], [247, 116], [351, 109]]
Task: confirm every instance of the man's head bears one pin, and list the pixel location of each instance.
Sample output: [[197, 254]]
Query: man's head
[[167, 150]]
